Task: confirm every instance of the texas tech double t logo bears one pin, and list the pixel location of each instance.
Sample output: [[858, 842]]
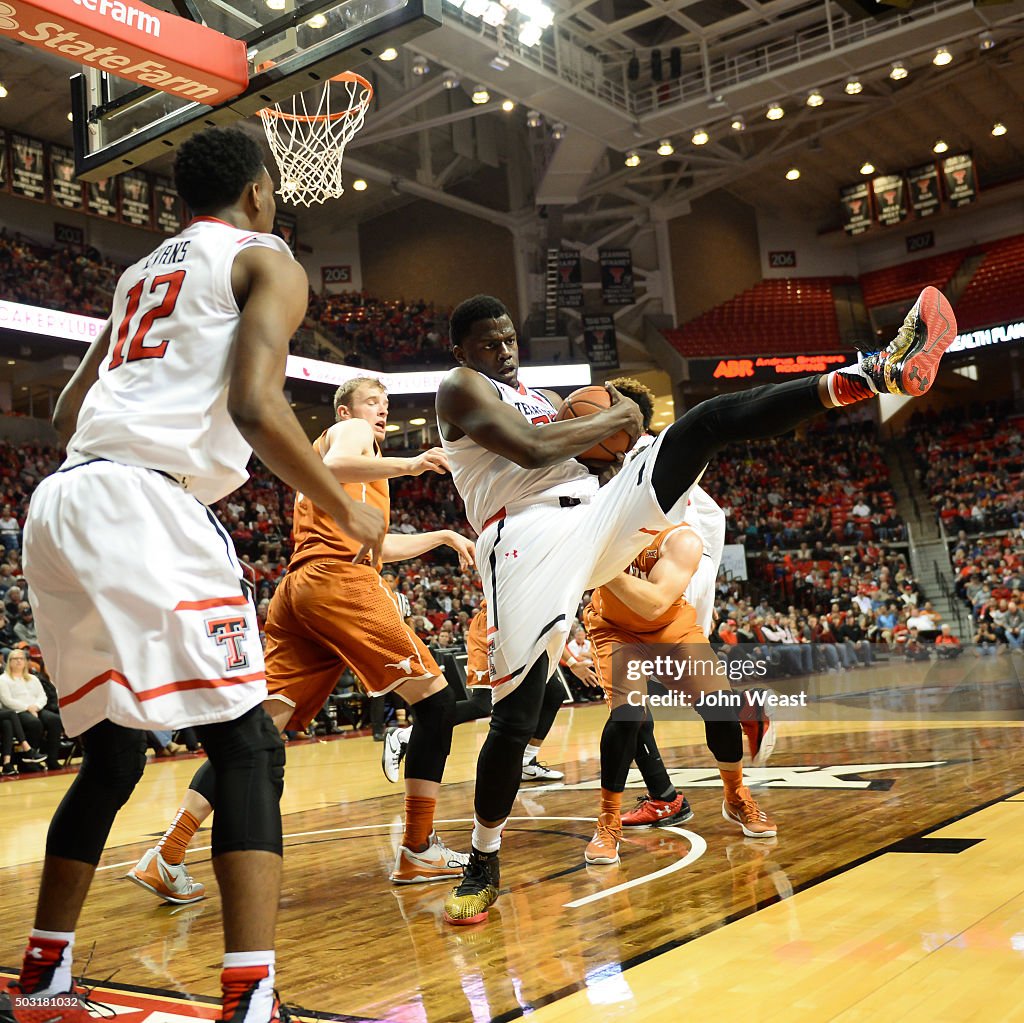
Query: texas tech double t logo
[[230, 632]]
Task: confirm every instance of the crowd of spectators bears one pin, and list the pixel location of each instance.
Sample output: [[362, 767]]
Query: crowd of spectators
[[971, 463], [989, 579]]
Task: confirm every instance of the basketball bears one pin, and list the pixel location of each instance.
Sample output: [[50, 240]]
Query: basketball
[[585, 402]]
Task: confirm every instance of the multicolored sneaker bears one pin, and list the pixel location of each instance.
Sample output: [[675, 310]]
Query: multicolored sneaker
[[745, 812], [603, 849], [168, 881], [759, 729], [470, 900], [911, 361], [655, 813], [436, 863]]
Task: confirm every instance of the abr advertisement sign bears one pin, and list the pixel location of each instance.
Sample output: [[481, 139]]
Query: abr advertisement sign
[[764, 369]]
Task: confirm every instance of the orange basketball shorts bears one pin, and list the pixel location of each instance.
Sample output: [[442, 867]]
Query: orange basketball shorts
[[606, 635], [329, 614], [477, 673]]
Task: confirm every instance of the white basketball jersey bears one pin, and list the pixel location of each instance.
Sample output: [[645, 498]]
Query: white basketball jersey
[[488, 482], [708, 519], [161, 398]]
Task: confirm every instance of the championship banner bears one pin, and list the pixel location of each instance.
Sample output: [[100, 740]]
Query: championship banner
[[65, 191], [4, 177], [856, 201], [959, 180], [167, 207], [890, 199], [101, 198], [617, 277], [924, 189], [600, 342], [28, 173], [136, 208], [133, 41], [286, 227], [570, 279]]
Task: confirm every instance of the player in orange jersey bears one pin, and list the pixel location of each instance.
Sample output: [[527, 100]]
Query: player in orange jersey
[[329, 613]]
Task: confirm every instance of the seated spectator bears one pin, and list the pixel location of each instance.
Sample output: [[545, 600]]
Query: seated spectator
[[985, 637], [25, 626], [924, 624], [1013, 626], [12, 741], [579, 647], [914, 649], [947, 645], [10, 531], [22, 692]]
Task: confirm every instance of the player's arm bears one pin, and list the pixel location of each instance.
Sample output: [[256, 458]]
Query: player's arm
[[652, 597], [271, 289], [350, 456], [402, 546], [469, 402], [69, 404]]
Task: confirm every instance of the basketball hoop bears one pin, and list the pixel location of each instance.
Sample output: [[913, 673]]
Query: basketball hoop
[[308, 134]]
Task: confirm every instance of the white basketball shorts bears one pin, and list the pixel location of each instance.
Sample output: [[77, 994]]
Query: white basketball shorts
[[536, 560], [138, 602]]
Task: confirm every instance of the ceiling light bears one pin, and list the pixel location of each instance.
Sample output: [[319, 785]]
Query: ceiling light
[[276, 5], [71, 117], [314, 417], [815, 98], [11, 362], [942, 57], [418, 421], [867, 167], [359, 184], [389, 54], [775, 112], [451, 80], [793, 174], [480, 95], [508, 105], [898, 71], [738, 124], [419, 66], [3, 91], [632, 158], [541, 13], [940, 146], [998, 129], [853, 87], [317, 21], [494, 14], [558, 131], [530, 34], [986, 41], [499, 62], [700, 137], [534, 119], [665, 147], [392, 428]]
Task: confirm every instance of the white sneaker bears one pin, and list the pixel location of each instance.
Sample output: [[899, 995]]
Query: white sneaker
[[436, 863], [535, 771], [168, 881], [396, 742]]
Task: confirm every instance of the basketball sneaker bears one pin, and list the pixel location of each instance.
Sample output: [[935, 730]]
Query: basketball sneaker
[[650, 812], [534, 770], [74, 1006], [603, 848], [170, 882], [436, 863], [469, 901], [396, 742], [759, 729], [745, 812], [909, 364]]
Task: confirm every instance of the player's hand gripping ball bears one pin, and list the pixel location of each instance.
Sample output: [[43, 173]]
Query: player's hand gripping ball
[[587, 401]]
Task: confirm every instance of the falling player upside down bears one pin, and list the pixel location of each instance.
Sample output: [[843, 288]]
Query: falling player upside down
[[524, 491]]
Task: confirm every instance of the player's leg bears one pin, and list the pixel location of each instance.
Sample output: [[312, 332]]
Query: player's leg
[[554, 697], [908, 366], [477, 704], [498, 774], [113, 761], [663, 804]]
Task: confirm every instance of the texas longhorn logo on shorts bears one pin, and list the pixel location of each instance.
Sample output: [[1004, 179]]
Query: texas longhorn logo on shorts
[[230, 631]]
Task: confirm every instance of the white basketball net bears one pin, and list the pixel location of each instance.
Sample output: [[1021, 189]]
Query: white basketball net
[[308, 133]]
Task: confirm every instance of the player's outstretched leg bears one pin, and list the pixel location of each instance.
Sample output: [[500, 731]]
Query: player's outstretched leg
[[618, 746]]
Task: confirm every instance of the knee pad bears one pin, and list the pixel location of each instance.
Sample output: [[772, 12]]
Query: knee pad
[[431, 739], [618, 747], [204, 781], [515, 717], [725, 740]]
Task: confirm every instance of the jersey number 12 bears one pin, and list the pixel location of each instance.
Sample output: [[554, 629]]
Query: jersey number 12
[[137, 347]]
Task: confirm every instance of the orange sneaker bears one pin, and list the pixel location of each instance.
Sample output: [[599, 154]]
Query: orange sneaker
[[749, 816], [604, 846], [436, 863]]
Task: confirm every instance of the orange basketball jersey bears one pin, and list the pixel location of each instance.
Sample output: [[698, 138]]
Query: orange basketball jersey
[[315, 533], [615, 612]]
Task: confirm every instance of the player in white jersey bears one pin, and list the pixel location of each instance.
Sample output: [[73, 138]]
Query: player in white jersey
[[547, 534], [142, 614]]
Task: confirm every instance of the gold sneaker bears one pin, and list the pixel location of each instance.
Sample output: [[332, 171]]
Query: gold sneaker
[[470, 900]]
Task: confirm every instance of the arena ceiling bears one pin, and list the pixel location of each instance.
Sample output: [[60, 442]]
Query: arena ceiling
[[425, 137]]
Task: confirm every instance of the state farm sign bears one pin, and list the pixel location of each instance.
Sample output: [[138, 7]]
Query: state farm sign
[[133, 41]]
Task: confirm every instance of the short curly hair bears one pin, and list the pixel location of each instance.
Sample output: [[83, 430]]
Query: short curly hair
[[212, 168], [640, 393], [479, 307]]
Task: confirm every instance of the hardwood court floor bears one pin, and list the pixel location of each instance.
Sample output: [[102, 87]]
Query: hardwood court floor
[[893, 892]]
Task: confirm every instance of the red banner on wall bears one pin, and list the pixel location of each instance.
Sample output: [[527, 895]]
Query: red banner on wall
[[134, 41]]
